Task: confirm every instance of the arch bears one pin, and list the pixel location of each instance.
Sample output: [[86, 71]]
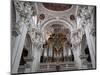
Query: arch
[[52, 21], [85, 50], [28, 44], [55, 20], [84, 42]]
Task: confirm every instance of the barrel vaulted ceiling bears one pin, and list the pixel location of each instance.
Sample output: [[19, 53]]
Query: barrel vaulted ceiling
[[49, 11]]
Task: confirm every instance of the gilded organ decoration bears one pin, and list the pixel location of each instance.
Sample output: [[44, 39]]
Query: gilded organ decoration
[[57, 44], [57, 40]]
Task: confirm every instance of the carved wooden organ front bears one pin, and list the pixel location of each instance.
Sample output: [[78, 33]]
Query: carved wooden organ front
[[57, 49]]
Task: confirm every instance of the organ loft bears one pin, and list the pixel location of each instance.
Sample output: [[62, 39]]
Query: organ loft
[[47, 37]]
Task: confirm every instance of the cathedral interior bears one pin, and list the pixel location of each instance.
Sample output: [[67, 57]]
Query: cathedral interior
[[50, 37]]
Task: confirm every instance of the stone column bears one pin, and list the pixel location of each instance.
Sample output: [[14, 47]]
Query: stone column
[[45, 52], [87, 22], [35, 63], [76, 48], [23, 16], [76, 53], [91, 44], [36, 53], [17, 49]]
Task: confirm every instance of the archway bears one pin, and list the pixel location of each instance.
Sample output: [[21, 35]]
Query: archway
[[26, 57], [85, 54], [52, 21], [57, 44]]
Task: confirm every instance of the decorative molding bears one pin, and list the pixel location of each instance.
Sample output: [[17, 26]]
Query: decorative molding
[[85, 14], [24, 13]]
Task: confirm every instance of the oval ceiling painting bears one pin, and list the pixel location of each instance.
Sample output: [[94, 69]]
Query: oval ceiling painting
[[57, 7]]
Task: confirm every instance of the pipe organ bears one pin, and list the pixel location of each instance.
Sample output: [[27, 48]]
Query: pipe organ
[[57, 50]]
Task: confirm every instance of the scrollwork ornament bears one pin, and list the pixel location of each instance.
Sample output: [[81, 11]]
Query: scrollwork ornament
[[24, 9], [84, 13]]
